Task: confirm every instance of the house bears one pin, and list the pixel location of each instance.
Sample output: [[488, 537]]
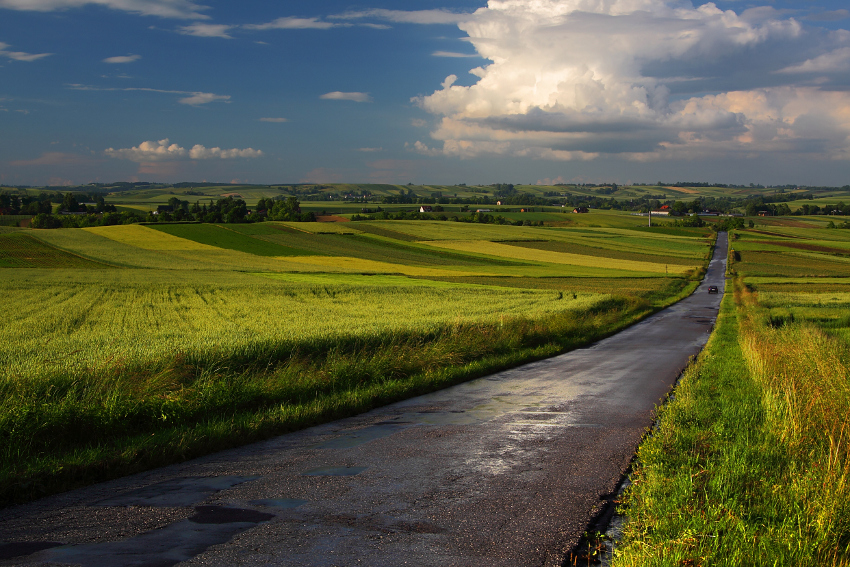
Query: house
[[482, 211], [581, 210], [425, 209], [765, 214], [499, 203], [525, 210]]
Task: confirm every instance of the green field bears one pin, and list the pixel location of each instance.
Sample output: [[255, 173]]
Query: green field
[[145, 345], [750, 464]]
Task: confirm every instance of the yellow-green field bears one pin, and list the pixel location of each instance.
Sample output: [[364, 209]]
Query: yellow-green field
[[137, 345]]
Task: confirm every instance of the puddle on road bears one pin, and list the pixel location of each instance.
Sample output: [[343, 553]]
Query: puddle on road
[[364, 435], [22, 548], [180, 541], [176, 492]]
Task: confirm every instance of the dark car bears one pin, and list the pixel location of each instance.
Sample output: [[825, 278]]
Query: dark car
[[712, 289]]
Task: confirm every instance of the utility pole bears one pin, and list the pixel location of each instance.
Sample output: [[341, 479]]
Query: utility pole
[[650, 217]]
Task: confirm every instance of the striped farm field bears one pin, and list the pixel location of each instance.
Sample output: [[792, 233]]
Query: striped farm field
[[147, 238], [531, 254], [324, 227], [195, 337], [347, 264], [222, 236], [21, 250]]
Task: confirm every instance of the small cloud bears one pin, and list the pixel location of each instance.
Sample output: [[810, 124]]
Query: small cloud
[[290, 23], [19, 55], [370, 150], [181, 9], [207, 30], [834, 61], [453, 54], [200, 152], [22, 111], [145, 152], [203, 98], [419, 123], [162, 150], [407, 17], [356, 97], [195, 98], [831, 16], [274, 120], [122, 59]]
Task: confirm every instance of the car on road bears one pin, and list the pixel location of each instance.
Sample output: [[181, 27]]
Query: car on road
[[712, 289]]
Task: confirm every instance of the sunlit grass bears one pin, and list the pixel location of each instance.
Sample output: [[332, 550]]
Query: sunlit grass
[[750, 464]]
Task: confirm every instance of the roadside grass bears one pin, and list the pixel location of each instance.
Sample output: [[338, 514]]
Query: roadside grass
[[750, 462], [749, 465]]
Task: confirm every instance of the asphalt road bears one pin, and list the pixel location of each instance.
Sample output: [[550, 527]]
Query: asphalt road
[[506, 470]]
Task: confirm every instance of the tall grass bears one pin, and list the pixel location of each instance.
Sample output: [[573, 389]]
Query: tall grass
[[749, 465]]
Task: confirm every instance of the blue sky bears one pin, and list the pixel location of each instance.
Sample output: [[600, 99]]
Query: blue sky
[[461, 91]]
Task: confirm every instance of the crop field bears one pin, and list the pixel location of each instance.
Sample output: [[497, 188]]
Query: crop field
[[146, 345], [20, 250]]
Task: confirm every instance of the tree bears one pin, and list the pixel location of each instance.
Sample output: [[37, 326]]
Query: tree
[[69, 203]]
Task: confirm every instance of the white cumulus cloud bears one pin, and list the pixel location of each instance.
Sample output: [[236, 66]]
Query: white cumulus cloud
[[182, 9], [160, 150], [291, 23], [203, 98], [122, 59], [200, 152], [406, 17], [201, 29], [20, 55], [453, 54], [576, 79], [356, 97], [832, 62], [164, 150]]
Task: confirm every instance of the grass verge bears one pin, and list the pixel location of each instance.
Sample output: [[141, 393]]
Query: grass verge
[[750, 462]]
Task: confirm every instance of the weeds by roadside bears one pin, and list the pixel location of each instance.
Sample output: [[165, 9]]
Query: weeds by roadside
[[749, 465]]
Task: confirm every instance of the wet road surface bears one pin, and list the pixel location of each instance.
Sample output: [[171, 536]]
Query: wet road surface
[[506, 470]]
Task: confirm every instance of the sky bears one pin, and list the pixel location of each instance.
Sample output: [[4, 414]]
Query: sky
[[425, 91]]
